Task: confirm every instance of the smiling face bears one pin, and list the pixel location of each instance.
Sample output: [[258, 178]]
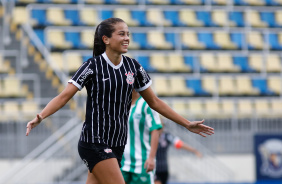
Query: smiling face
[[119, 40]]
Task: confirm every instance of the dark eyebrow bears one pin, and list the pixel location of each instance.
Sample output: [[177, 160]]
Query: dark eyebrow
[[123, 32]]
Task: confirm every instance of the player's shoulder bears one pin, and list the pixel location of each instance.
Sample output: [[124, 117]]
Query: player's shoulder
[[129, 59]]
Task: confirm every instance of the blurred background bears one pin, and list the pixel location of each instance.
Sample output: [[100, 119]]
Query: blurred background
[[218, 60]]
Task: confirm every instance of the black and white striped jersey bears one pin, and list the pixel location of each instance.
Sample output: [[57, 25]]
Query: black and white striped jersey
[[109, 95]]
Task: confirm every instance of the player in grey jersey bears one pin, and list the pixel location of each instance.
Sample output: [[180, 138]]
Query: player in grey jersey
[[109, 78]]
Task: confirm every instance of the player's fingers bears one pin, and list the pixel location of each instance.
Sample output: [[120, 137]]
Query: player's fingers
[[203, 135], [28, 128]]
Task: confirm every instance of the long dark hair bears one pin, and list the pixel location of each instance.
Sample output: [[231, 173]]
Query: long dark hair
[[106, 27]]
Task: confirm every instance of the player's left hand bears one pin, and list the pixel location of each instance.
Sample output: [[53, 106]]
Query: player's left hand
[[199, 128], [149, 164]]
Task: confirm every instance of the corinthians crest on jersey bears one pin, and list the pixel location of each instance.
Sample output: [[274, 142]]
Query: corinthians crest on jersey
[[130, 78]]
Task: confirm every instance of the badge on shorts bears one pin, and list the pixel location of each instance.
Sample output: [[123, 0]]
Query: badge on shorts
[[108, 150], [130, 78]]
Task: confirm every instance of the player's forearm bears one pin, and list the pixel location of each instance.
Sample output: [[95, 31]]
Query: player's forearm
[[59, 101], [162, 108], [154, 143]]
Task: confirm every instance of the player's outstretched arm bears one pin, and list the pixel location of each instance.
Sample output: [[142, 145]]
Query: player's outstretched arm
[[161, 107], [53, 106]]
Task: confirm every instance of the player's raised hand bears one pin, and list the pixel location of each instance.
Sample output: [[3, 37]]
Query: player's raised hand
[[199, 128], [33, 123]]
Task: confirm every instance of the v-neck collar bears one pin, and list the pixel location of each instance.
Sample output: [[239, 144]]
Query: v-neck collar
[[110, 63]]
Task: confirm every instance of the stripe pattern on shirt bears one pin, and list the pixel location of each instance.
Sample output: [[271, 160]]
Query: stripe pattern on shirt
[[109, 94]]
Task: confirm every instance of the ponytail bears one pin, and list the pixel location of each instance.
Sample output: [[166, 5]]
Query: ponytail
[[99, 45], [106, 27]]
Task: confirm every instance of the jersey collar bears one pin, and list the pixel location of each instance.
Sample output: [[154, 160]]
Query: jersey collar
[[110, 63]]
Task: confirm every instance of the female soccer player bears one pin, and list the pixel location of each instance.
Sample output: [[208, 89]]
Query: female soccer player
[[109, 78]]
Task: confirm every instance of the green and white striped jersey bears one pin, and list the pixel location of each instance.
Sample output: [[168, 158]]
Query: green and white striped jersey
[[142, 120]]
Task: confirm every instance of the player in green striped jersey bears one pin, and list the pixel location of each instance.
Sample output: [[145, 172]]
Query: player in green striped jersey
[[138, 161]]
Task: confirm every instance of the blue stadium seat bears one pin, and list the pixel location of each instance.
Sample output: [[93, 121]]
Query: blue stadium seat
[[74, 38], [205, 17], [39, 17], [141, 39], [140, 16], [173, 16], [73, 15], [269, 18], [40, 35], [238, 18], [238, 39], [196, 85], [105, 14], [261, 84], [190, 61], [207, 39], [145, 62], [86, 57], [240, 2], [274, 41], [242, 62]]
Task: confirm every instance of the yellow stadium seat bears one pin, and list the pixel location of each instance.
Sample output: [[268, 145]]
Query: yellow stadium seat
[[180, 107], [56, 38], [280, 38], [159, 61], [156, 17], [11, 111], [226, 86], [278, 17], [209, 84], [1, 89], [212, 109], [195, 109], [222, 38], [253, 18], [256, 62], [73, 61], [56, 16], [178, 86], [245, 108], [88, 16], [5, 67], [262, 108], [255, 2], [29, 109], [12, 87], [87, 38], [276, 107], [161, 86], [273, 63], [125, 15], [244, 86], [189, 18], [176, 63], [225, 63], [20, 15], [255, 40], [220, 17], [274, 84], [190, 40], [57, 61], [208, 62], [157, 39], [227, 108]]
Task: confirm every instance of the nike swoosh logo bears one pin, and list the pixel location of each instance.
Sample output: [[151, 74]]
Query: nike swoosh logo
[[105, 79]]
